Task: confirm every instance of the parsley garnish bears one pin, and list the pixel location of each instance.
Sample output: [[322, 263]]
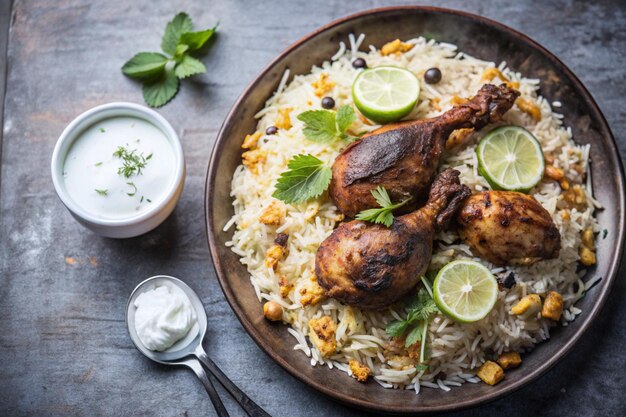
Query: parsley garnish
[[382, 215], [98, 164], [307, 177], [160, 80], [324, 126], [102, 192], [419, 311], [102, 130], [132, 162]]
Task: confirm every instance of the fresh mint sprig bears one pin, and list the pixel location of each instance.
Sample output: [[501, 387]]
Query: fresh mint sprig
[[161, 73], [384, 214], [307, 177], [324, 126]]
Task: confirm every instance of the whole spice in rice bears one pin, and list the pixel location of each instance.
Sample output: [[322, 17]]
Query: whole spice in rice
[[272, 311]]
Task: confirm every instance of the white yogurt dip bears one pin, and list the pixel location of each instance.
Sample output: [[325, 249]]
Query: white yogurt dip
[[119, 167], [164, 316]]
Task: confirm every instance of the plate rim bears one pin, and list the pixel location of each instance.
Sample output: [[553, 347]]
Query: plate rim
[[591, 314]]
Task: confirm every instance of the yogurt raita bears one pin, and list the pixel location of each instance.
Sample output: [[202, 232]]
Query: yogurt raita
[[119, 168]]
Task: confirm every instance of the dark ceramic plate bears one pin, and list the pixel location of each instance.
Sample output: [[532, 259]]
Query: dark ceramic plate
[[483, 39]]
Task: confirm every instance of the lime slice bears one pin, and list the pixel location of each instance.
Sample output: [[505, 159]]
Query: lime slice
[[465, 291], [385, 94], [510, 158]]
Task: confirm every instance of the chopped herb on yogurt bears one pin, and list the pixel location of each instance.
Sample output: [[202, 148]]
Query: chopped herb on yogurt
[[102, 192], [132, 184], [132, 162]]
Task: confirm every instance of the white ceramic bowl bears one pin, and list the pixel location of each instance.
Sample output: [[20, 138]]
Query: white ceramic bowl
[[134, 225]]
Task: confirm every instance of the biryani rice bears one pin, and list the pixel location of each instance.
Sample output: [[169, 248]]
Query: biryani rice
[[456, 350]]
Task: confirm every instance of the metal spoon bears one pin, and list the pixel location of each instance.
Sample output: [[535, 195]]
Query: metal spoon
[[188, 351]]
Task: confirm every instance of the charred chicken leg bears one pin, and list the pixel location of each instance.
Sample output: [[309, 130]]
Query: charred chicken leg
[[508, 228], [372, 266], [403, 157]]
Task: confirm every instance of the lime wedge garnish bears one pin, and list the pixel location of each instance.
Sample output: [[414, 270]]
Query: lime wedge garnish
[[465, 291], [385, 94], [510, 158]]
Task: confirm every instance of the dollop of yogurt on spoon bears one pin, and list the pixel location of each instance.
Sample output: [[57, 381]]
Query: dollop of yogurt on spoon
[[164, 315]]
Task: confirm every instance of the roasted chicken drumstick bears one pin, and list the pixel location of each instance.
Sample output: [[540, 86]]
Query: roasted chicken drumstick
[[508, 228], [403, 157], [372, 266]]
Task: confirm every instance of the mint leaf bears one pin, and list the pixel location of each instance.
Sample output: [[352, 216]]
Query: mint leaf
[[173, 31], [307, 177], [413, 337], [396, 328], [181, 49], [319, 125], [323, 126], [162, 90], [345, 118], [160, 79], [384, 214], [145, 65], [189, 66], [196, 40]]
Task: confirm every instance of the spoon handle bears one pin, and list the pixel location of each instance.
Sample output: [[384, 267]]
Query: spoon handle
[[250, 407], [210, 388]]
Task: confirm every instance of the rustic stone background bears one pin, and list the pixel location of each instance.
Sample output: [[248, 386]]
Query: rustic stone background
[[64, 348]]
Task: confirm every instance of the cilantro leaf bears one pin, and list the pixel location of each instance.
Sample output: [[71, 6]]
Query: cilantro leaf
[[397, 328], [181, 23], [145, 65], [196, 40], [189, 66], [421, 307], [421, 367], [427, 306], [162, 90], [345, 118], [384, 214], [376, 215], [413, 337], [319, 125], [382, 197], [307, 177], [323, 126], [419, 311]]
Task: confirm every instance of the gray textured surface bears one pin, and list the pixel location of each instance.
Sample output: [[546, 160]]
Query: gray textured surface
[[63, 343]]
